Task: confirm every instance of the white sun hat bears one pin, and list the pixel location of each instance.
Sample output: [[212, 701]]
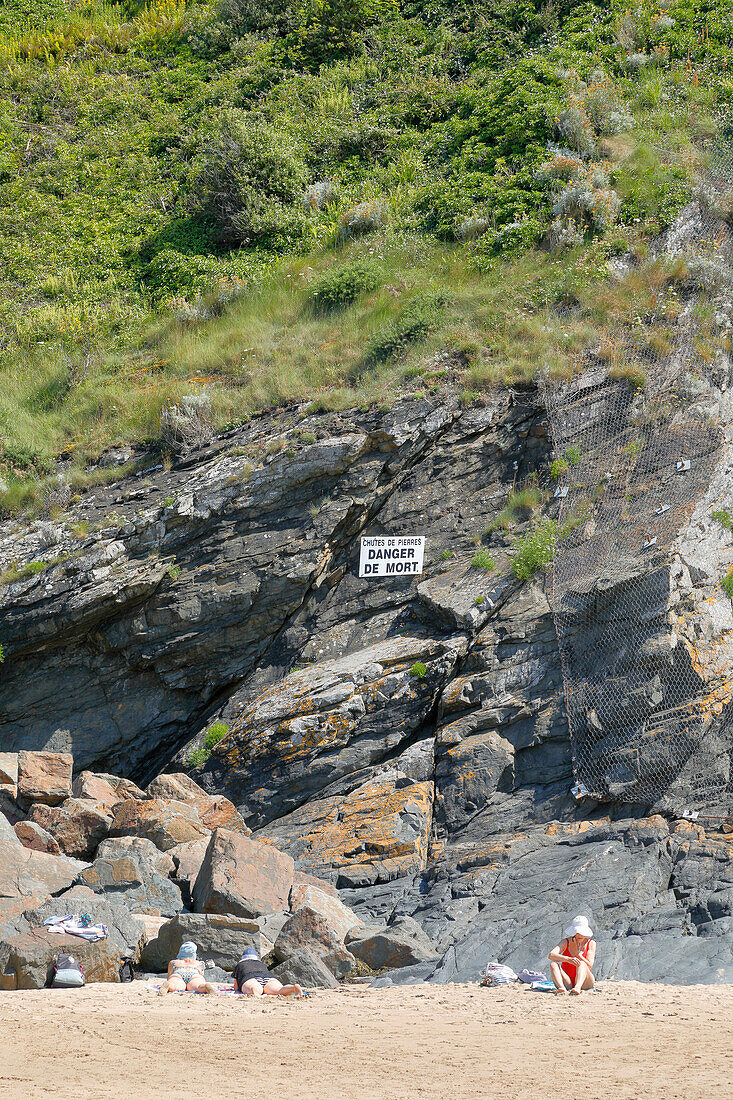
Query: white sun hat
[[578, 927]]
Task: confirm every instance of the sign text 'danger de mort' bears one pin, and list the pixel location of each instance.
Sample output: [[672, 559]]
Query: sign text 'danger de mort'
[[391, 555]]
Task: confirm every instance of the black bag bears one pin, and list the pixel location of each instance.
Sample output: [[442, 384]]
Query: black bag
[[67, 973], [127, 973]]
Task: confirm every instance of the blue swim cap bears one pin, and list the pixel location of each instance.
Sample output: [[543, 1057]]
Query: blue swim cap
[[250, 953], [187, 950]]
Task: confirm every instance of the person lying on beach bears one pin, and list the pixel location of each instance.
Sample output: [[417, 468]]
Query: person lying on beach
[[187, 972], [251, 976], [571, 962]]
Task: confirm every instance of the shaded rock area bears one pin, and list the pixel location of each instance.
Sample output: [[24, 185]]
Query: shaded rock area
[[404, 741]]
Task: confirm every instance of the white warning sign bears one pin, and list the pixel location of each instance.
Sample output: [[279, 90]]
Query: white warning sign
[[391, 555]]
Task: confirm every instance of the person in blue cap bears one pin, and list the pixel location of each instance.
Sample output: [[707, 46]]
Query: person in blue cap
[[252, 977], [187, 972]]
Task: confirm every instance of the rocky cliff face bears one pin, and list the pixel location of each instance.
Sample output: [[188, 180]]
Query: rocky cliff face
[[405, 738]]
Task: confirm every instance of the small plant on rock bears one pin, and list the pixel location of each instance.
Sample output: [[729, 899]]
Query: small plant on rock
[[482, 560], [418, 670], [724, 518], [727, 585], [536, 550], [558, 467]]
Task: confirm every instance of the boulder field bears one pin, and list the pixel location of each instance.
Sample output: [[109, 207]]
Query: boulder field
[[402, 742]]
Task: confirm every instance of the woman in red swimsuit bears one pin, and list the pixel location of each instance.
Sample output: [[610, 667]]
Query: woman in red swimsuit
[[571, 962]]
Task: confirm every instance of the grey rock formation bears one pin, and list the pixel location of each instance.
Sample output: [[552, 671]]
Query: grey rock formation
[[220, 939], [306, 969], [407, 739]]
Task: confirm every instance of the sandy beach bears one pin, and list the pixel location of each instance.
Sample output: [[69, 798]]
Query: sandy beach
[[628, 1040]]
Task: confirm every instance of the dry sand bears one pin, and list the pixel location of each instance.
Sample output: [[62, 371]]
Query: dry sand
[[629, 1040]]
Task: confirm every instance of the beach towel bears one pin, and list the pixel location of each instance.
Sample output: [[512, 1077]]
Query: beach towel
[[543, 987], [530, 976], [71, 925]]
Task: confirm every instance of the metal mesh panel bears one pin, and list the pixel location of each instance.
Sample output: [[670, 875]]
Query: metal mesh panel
[[635, 453]]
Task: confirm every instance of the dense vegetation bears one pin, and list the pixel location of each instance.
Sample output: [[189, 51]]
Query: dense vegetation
[[299, 199]]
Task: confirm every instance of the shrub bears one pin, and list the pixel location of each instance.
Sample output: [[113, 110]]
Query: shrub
[[307, 438], [536, 550], [482, 560], [364, 218], [325, 30], [727, 585], [319, 195], [2, 653], [412, 323], [197, 758], [419, 670], [215, 733], [55, 495], [188, 424], [343, 284], [174, 571], [573, 454], [212, 737], [558, 467], [724, 518], [249, 186]]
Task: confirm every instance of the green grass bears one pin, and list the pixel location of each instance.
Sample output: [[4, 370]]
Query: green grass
[[125, 287], [482, 560], [214, 734], [520, 505], [536, 550], [724, 518], [727, 585]]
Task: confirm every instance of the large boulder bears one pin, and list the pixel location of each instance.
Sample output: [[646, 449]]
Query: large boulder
[[78, 825], [131, 874], [44, 776], [176, 785], [33, 836], [97, 788], [27, 949], [9, 772], [337, 915], [403, 943], [125, 788], [242, 877], [115, 847], [187, 859], [215, 811], [220, 939], [308, 929], [165, 822], [306, 969], [25, 873]]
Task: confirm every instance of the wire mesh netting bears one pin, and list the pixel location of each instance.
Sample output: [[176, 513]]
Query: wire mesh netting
[[636, 449]]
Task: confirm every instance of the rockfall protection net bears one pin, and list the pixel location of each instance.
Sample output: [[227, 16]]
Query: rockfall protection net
[[637, 441]]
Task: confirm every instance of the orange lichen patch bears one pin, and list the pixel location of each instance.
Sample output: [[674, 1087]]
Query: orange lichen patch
[[491, 854], [687, 828], [573, 828], [453, 696], [376, 827]]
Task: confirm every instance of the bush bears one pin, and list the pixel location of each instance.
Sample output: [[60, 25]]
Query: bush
[[189, 424], [343, 284], [325, 30], [558, 467], [418, 670], [214, 734], [536, 550], [412, 323], [482, 560], [249, 186], [727, 585], [724, 518], [362, 219]]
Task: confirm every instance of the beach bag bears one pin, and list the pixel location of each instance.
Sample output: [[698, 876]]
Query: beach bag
[[67, 973], [497, 974], [127, 973]]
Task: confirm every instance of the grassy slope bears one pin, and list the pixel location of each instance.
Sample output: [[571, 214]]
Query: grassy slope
[[120, 291]]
